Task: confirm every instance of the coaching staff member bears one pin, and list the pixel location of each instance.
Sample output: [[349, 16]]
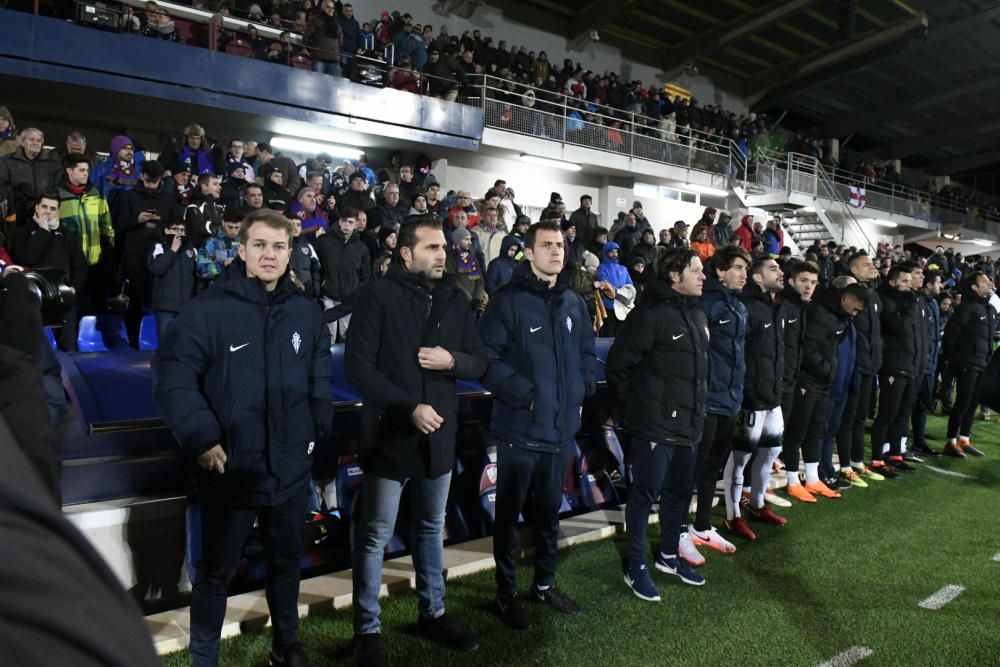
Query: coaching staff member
[[243, 380], [540, 345], [658, 373], [413, 333]]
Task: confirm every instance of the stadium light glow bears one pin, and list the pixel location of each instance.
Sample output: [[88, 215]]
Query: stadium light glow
[[706, 190], [549, 162], [880, 223], [983, 242], [308, 147]]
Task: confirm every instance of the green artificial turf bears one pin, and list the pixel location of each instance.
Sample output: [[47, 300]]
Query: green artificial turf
[[842, 573]]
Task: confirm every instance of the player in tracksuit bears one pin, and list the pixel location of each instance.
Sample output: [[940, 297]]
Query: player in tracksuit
[[761, 421], [542, 365], [929, 290], [657, 371], [826, 325], [727, 324], [967, 348], [868, 326], [901, 325]]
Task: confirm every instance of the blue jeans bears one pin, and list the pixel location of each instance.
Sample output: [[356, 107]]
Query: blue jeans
[[380, 504], [327, 67], [163, 320]]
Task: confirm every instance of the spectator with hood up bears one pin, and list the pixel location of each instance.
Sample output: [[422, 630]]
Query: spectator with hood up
[[501, 269], [616, 275]]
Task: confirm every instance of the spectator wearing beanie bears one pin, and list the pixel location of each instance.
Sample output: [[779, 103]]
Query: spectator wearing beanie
[[641, 221], [467, 267], [574, 249], [646, 248], [236, 183], [276, 195], [723, 231], [629, 236], [180, 184], [707, 222], [357, 196], [700, 243], [306, 209], [120, 172]]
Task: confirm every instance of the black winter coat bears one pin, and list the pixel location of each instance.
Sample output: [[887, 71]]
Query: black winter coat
[[22, 180], [250, 370], [542, 363], [276, 197], [381, 364], [793, 312], [346, 265], [174, 279], [901, 326], [764, 349], [137, 238], [826, 326], [869, 327], [657, 367], [34, 247], [304, 262], [202, 218], [968, 336]]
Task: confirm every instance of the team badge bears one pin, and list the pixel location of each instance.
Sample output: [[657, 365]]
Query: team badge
[[189, 252], [296, 341], [569, 324], [305, 250], [891, 379]]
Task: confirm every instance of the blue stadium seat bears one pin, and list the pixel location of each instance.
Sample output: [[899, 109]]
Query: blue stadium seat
[[102, 333], [51, 336], [147, 333]]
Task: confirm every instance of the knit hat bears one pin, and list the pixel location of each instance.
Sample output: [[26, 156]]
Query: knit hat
[[233, 166], [460, 235], [358, 175], [637, 205], [555, 197], [119, 142]]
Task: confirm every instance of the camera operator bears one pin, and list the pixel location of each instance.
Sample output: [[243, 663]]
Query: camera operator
[[46, 243]]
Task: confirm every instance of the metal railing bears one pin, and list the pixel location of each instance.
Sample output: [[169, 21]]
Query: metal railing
[[793, 172], [544, 114], [828, 189]]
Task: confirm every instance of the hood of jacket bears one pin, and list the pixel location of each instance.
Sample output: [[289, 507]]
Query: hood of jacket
[[507, 243], [608, 247], [235, 281]]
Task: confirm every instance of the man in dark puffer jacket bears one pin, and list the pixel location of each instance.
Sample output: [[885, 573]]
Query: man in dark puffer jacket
[[242, 378], [542, 366], [657, 371], [762, 424]]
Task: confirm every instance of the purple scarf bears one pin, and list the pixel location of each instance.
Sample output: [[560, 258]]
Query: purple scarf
[[199, 161]]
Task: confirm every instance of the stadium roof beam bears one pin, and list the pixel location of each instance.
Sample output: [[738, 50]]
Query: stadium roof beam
[[599, 14], [708, 42], [831, 65], [910, 145], [960, 164], [859, 122], [805, 84]]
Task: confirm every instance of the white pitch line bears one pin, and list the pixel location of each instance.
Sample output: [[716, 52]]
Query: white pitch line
[[942, 597], [851, 656], [950, 473]]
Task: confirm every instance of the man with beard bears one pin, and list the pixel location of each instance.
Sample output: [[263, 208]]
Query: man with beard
[[408, 425]]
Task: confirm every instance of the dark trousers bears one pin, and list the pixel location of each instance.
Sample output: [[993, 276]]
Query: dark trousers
[[716, 444], [922, 407], [895, 399], [964, 410], [663, 472], [224, 531], [834, 407], [945, 387], [163, 320], [804, 428], [851, 436], [521, 472]]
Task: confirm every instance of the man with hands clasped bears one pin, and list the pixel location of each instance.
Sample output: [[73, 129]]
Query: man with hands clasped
[[413, 334]]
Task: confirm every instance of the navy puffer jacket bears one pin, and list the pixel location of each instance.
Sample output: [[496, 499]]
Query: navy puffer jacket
[[727, 326]]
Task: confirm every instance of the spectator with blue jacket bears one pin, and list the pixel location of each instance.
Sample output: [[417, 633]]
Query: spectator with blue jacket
[[242, 379], [727, 325], [119, 173], [616, 275], [501, 270], [542, 365], [931, 289], [222, 249]]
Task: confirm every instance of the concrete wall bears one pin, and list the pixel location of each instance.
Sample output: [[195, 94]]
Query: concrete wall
[[598, 57]]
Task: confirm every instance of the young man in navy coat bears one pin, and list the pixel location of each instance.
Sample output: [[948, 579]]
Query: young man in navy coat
[[542, 364]]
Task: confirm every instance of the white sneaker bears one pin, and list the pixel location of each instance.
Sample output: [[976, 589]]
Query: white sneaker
[[776, 500], [711, 538], [687, 550]]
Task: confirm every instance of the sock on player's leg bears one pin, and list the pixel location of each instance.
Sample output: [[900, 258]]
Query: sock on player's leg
[[760, 474], [812, 473], [732, 482]]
